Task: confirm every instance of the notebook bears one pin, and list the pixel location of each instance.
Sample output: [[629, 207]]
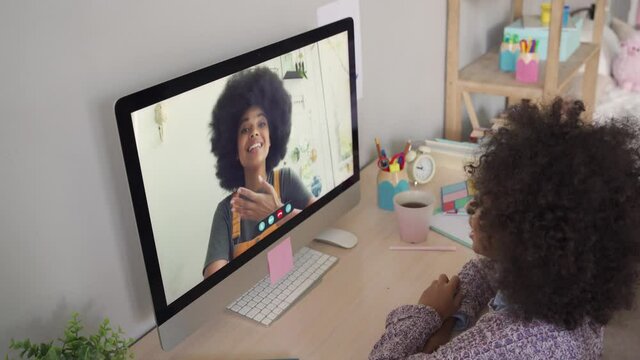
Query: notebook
[[455, 227]]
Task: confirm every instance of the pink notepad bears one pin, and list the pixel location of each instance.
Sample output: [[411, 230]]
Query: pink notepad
[[280, 260]]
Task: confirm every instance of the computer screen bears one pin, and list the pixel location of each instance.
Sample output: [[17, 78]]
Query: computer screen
[[224, 161]]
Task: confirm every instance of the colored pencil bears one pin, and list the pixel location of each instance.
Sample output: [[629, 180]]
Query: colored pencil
[[378, 148], [407, 147], [424, 248]]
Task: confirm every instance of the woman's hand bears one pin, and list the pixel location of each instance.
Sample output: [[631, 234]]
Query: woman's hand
[[443, 296], [440, 337], [256, 205]]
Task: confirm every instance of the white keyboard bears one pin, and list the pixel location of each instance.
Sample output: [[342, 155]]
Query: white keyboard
[[264, 302]]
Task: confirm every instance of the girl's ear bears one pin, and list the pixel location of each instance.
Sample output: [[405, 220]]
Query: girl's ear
[[471, 207]]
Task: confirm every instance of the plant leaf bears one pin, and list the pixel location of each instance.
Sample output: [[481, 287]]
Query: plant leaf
[[52, 354]]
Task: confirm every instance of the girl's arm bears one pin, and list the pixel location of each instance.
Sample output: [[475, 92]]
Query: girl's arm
[[477, 283], [495, 336], [407, 329]]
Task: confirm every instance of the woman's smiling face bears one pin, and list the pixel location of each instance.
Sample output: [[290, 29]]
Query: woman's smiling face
[[253, 138]]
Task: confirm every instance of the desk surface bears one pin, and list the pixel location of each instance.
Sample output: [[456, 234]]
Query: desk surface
[[343, 315]]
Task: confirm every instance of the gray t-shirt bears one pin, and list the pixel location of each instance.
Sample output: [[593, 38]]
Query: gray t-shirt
[[220, 242]]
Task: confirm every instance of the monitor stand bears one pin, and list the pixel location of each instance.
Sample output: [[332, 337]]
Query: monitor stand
[[337, 237]]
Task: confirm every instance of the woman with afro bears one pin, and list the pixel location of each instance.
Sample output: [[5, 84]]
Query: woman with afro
[[251, 123], [556, 221]]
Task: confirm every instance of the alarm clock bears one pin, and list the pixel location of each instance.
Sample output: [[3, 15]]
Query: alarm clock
[[421, 167]]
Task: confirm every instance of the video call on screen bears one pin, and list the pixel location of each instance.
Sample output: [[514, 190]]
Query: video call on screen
[[288, 118]]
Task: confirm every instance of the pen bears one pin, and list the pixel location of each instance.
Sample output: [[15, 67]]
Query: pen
[[424, 248], [378, 148]]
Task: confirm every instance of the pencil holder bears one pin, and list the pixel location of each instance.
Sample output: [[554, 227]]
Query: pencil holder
[[527, 67], [508, 56], [391, 183]]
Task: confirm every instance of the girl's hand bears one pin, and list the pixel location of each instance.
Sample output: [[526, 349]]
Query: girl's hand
[[443, 296], [256, 205], [440, 337]]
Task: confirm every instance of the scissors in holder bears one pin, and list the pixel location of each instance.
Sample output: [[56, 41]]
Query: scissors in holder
[[383, 163]]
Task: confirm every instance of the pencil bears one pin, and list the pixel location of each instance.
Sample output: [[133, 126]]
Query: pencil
[[407, 147], [424, 248], [378, 148]]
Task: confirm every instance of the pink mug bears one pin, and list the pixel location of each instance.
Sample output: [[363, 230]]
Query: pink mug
[[413, 211]]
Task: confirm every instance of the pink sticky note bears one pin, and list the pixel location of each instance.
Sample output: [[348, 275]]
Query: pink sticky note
[[280, 260]]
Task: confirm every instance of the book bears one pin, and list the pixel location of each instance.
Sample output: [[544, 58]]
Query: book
[[455, 197], [465, 149]]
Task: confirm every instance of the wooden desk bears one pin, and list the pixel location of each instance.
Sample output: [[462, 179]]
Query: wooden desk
[[343, 315]]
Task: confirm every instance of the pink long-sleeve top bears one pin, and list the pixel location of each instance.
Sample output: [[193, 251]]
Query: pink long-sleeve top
[[496, 335]]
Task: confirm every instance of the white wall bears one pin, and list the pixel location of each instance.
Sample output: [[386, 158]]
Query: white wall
[[621, 9], [68, 236]]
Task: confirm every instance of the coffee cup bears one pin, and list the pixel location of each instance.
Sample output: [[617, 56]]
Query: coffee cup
[[413, 210]]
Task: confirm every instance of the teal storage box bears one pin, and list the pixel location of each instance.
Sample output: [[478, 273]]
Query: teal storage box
[[532, 29]]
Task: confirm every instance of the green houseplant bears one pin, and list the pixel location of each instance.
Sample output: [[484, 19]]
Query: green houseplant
[[107, 343]]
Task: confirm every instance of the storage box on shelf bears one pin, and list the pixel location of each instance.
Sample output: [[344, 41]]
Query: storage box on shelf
[[529, 27]]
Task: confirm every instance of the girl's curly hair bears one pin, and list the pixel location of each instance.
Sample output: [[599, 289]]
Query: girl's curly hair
[[560, 202], [255, 87]]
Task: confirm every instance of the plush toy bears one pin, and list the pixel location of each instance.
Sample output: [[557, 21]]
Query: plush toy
[[626, 67]]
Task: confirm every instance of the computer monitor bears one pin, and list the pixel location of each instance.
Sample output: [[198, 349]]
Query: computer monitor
[[225, 161]]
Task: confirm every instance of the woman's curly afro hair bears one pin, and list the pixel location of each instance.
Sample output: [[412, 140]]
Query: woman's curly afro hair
[[560, 202], [255, 87]]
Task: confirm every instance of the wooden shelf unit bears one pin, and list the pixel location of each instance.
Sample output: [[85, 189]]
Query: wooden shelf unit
[[484, 76]]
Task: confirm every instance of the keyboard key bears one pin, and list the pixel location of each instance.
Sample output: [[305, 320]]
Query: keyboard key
[[244, 310], [294, 295], [283, 305], [253, 312]]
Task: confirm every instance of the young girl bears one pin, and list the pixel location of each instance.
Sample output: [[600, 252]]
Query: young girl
[[556, 221]]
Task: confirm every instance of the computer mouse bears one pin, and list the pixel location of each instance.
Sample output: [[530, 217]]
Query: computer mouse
[[337, 237]]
